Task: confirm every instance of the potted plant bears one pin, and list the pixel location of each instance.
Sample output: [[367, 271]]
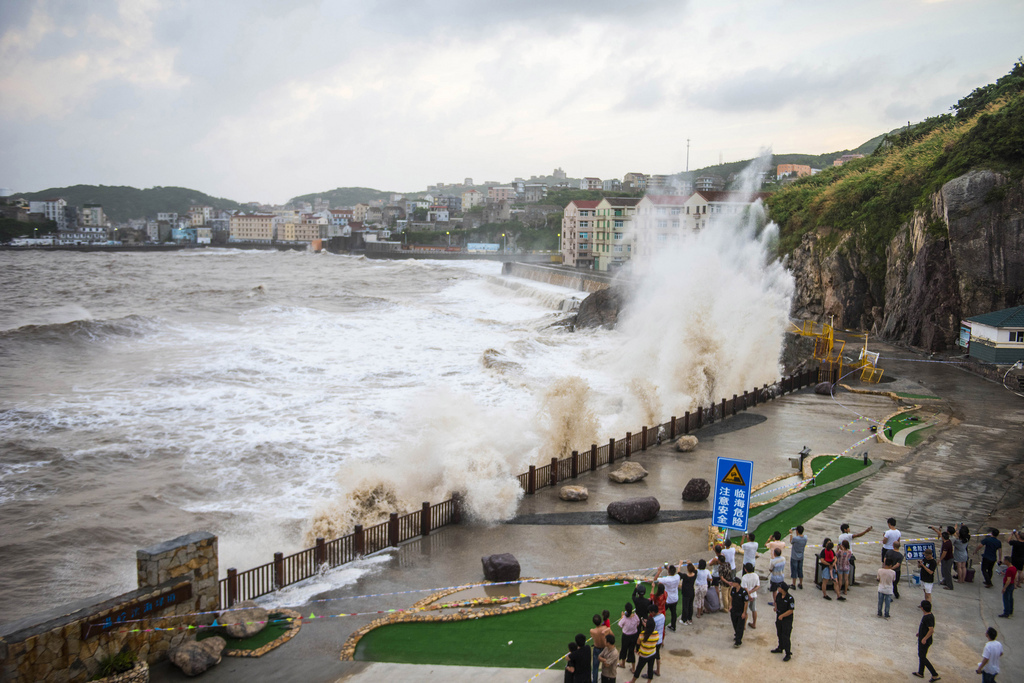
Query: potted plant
[[123, 667]]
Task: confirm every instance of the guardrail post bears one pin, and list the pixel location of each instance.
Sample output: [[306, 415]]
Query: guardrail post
[[232, 586], [358, 541], [554, 471], [531, 480], [686, 422], [393, 530], [456, 507], [672, 429], [643, 438], [611, 450], [700, 416], [278, 571], [425, 516], [629, 444], [320, 553], [575, 464], [593, 457]]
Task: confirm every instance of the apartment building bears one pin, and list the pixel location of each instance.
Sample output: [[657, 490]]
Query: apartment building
[[658, 225], [53, 209], [252, 227], [501, 193], [705, 208], [471, 198], [590, 183], [578, 221], [359, 212], [799, 170], [612, 244]]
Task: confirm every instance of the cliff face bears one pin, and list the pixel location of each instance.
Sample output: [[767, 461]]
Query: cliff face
[[962, 256]]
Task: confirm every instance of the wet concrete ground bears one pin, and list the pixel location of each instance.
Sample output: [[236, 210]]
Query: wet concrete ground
[[967, 469]]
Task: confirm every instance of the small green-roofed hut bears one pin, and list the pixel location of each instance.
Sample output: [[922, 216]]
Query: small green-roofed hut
[[996, 337]]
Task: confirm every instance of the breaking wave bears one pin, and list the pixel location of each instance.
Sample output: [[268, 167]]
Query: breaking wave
[[130, 326]]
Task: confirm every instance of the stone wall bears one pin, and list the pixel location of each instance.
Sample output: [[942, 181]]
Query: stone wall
[[583, 281], [55, 648]]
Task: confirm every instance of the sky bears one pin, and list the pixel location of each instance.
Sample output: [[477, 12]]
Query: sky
[[263, 100]]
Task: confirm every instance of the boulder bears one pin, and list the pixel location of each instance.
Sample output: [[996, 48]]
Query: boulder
[[195, 657], [629, 472], [686, 443], [573, 493], [501, 567], [634, 510], [823, 388], [243, 620], [696, 490]]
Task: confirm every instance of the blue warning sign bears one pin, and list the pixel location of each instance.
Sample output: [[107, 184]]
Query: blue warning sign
[[732, 493]]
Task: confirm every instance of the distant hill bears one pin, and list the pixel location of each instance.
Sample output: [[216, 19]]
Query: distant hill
[[121, 203], [344, 196]]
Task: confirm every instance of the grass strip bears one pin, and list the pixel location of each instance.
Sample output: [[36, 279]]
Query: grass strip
[[800, 513], [538, 636], [842, 467]]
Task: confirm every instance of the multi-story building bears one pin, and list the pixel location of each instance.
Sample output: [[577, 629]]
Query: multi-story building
[[658, 225], [634, 182], [390, 215], [799, 170], [613, 242], [590, 183], [708, 183], [611, 185], [501, 192], [846, 157], [534, 193], [704, 208], [252, 227], [200, 215], [339, 217], [53, 209], [471, 198], [438, 212], [167, 216], [578, 220], [359, 212], [92, 216], [374, 215]]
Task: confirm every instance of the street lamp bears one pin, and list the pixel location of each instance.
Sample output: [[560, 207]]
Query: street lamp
[[449, 237], [502, 243], [559, 236]]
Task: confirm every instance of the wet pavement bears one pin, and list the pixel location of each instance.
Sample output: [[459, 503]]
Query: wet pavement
[[968, 466]]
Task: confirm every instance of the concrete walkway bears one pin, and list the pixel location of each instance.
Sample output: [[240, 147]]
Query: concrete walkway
[[963, 471]]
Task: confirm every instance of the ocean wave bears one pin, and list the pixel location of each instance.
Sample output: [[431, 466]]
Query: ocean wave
[[89, 330]]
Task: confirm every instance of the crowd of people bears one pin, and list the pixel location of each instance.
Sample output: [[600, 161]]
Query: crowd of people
[[685, 591]]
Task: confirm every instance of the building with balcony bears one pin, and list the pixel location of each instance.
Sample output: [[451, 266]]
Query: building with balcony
[[578, 221], [252, 227], [612, 242], [658, 225], [709, 183]]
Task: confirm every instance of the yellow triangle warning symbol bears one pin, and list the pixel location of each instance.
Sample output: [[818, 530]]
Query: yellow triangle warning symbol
[[734, 477]]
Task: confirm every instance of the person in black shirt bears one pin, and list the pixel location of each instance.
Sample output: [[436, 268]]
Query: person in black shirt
[[784, 620], [579, 660], [738, 610], [894, 558], [924, 641], [641, 604], [1016, 544], [927, 565]]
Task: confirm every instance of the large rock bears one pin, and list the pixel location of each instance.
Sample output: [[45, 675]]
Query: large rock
[[243, 620], [634, 510], [501, 567], [629, 472], [195, 657], [696, 490], [686, 443], [600, 309], [573, 493], [823, 388]]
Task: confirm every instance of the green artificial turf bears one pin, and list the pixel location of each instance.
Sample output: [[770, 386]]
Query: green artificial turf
[[901, 395], [917, 437], [279, 623], [538, 636], [838, 468], [800, 513]]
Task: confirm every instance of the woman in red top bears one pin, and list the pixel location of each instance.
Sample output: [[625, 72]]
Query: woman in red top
[[660, 597], [827, 560]]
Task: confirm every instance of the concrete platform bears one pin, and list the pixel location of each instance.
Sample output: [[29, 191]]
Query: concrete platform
[[966, 470]]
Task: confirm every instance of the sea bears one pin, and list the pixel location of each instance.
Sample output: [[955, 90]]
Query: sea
[[272, 397]]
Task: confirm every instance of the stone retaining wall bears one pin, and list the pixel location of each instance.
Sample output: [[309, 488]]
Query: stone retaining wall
[[55, 648], [583, 281]]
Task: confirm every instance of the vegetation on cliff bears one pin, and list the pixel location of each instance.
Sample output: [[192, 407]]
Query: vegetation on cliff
[[121, 203], [344, 196], [868, 199]]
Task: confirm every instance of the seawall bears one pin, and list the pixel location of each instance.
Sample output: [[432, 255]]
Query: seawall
[[563, 277]]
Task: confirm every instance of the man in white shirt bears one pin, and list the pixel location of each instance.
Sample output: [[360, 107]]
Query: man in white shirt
[[890, 537], [671, 583], [749, 551], [729, 553], [751, 583], [845, 535], [989, 665]]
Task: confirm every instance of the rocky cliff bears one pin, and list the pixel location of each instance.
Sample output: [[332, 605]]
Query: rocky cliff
[[962, 256]]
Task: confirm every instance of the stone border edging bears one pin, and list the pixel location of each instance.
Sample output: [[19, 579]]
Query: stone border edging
[[792, 500], [880, 434], [290, 633], [348, 650]]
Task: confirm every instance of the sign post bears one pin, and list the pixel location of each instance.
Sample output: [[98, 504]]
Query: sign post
[[732, 493]]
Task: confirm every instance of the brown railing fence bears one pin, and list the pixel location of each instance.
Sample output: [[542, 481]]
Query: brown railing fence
[[286, 570]]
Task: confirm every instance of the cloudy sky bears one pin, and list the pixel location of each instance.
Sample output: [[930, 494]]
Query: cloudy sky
[[267, 99]]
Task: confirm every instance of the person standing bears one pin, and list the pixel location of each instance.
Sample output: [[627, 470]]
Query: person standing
[[989, 666], [827, 560], [891, 535], [608, 658], [784, 604], [641, 605], [1010, 580], [579, 660], [738, 610], [991, 553], [925, 631], [927, 565], [750, 583], [1016, 544], [750, 550], [659, 625], [701, 588], [886, 576], [894, 558], [729, 553], [946, 559], [671, 584], [844, 565], [629, 623], [598, 635], [647, 648], [960, 549], [796, 556], [777, 569], [776, 543], [846, 535], [725, 576]]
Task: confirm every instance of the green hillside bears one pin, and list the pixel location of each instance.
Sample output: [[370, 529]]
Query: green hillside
[[344, 196], [870, 198], [121, 203]]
